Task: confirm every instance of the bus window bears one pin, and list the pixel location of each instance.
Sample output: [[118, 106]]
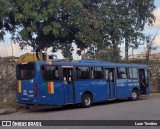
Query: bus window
[[25, 71], [83, 73], [50, 73], [109, 74], [133, 73], [92, 73], [121, 73], [106, 74], [98, 73]]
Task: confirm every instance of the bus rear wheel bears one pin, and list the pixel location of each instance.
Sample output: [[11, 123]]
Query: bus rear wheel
[[86, 100], [134, 96]]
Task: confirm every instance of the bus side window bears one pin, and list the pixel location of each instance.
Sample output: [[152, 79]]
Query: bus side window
[[106, 74], [56, 74], [83, 73], [111, 76], [50, 72], [98, 73], [92, 73], [70, 76], [121, 73], [132, 73]]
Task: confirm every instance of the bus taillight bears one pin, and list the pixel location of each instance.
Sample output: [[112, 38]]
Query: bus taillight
[[35, 90]]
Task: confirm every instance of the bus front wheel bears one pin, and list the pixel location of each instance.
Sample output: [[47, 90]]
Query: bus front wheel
[[86, 100], [134, 96]]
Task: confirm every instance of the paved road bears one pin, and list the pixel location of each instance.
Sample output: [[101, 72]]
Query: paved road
[[148, 108]]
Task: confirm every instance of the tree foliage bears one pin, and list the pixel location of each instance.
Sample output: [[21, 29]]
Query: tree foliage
[[87, 23], [125, 20], [106, 54]]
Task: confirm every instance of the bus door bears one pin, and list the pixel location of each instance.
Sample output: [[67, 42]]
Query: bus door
[[143, 81], [109, 75], [68, 84]]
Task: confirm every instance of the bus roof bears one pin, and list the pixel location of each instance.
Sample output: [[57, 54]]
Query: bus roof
[[94, 63]]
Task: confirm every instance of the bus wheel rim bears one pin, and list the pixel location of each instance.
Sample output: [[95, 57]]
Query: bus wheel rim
[[134, 95], [87, 101]]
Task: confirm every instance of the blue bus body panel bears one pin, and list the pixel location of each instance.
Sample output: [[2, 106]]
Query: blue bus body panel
[[27, 92], [133, 83], [68, 93], [27, 96], [125, 87], [98, 88], [122, 88], [57, 98], [111, 93]]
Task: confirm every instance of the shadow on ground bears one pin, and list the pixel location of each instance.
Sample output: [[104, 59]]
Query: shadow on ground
[[43, 108], [74, 107]]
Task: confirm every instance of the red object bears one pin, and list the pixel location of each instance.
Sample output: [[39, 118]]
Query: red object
[[35, 90]]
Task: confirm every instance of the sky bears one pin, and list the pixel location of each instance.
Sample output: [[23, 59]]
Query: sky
[[6, 48]]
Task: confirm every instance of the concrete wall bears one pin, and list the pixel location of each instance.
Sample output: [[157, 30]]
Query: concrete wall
[[8, 80], [154, 78]]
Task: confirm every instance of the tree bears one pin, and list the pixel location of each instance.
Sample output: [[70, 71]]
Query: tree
[[67, 51], [87, 23], [107, 54], [140, 13], [2, 33], [56, 23], [3, 14], [125, 20], [149, 41]]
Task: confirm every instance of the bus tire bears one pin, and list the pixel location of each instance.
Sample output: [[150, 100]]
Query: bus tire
[[134, 96], [86, 100]]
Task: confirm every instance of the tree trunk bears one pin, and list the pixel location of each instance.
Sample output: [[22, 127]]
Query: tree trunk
[[147, 56], [126, 49], [37, 54], [41, 54], [113, 59]]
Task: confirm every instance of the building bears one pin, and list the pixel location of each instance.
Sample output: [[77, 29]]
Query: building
[[143, 55], [32, 57], [27, 57]]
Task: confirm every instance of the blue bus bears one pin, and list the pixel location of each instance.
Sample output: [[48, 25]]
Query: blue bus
[[83, 82]]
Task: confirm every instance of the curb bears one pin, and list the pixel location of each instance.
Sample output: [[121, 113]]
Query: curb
[[155, 94]]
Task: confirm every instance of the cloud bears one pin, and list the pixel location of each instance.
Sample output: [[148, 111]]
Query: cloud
[[157, 15]]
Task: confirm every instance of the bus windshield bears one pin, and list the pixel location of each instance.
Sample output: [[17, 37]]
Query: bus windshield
[[25, 71]]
